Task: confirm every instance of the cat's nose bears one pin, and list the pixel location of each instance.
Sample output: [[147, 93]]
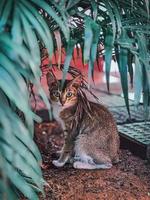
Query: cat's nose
[[62, 102]]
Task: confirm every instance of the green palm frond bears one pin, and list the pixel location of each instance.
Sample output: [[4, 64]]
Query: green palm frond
[[124, 31], [22, 27]]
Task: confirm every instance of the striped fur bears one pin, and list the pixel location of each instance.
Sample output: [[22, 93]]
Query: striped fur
[[91, 136]]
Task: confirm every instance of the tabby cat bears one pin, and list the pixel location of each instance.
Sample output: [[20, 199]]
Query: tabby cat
[[91, 137]]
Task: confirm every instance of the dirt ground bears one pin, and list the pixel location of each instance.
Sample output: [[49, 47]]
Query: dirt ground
[[128, 180]]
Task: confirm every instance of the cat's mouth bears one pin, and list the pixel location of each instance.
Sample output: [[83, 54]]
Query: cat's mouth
[[64, 105], [60, 105]]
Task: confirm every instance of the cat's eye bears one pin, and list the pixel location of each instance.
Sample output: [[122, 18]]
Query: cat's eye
[[69, 94], [55, 93]]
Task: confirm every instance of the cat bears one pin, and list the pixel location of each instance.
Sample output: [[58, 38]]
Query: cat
[[91, 138]]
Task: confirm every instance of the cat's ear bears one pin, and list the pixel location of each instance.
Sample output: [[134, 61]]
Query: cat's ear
[[76, 82], [51, 79]]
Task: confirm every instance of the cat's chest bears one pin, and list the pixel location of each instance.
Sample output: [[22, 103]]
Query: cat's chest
[[56, 113]]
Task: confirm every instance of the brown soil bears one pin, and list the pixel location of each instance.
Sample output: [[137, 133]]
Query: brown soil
[[128, 180]]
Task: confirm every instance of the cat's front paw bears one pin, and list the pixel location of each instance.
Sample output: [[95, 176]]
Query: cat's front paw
[[57, 163]]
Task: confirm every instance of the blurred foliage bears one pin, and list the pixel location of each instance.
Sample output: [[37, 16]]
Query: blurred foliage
[[122, 28]]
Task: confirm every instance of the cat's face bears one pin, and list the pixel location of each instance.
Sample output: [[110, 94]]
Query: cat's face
[[66, 96]]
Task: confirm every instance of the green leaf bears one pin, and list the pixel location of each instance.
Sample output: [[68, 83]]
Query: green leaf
[[130, 67], [96, 33], [3, 98], [38, 24], [108, 53], [53, 14], [11, 125], [19, 163], [17, 83], [6, 192], [112, 18], [124, 74], [18, 127], [16, 30], [144, 58], [16, 145], [146, 90], [2, 4], [23, 53], [71, 4], [7, 7], [94, 9], [19, 182], [88, 34], [147, 6], [118, 18], [68, 58], [12, 92], [58, 43], [138, 80], [31, 40]]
